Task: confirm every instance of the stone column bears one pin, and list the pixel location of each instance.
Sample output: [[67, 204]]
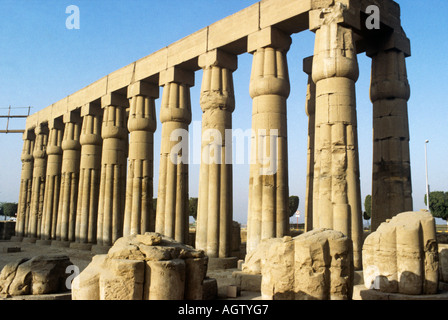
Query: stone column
[[214, 217], [69, 178], [175, 114], [113, 169], [336, 172], [391, 179], [26, 180], [53, 180], [268, 215], [310, 109], [89, 174], [139, 215], [38, 187]]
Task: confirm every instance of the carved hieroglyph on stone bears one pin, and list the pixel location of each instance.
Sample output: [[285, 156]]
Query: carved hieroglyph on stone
[[143, 267], [402, 255], [315, 265]]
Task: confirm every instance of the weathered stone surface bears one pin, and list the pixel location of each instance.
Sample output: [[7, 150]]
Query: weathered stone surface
[[402, 255], [36, 276], [315, 265], [443, 262], [143, 267]]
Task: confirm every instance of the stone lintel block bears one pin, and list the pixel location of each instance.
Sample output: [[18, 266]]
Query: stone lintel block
[[273, 12], [308, 65], [72, 116], [41, 128], [141, 88], [152, 64], [176, 74], [90, 109], [114, 99], [268, 37], [218, 58], [320, 4], [344, 12], [56, 123], [120, 78], [187, 48], [29, 134], [396, 41], [234, 27]]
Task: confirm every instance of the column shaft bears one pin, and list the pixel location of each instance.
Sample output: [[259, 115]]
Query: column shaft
[[215, 214], [336, 173], [139, 213], [268, 215], [69, 180], [89, 174], [52, 181], [113, 171], [172, 203], [25, 184], [310, 109], [38, 187], [391, 180]]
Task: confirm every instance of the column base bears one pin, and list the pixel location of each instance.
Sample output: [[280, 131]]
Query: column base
[[29, 240], [43, 242], [16, 239], [81, 246], [360, 292], [60, 243], [100, 249], [222, 263], [246, 281]]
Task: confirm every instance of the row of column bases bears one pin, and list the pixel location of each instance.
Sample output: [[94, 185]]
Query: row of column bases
[[74, 185]]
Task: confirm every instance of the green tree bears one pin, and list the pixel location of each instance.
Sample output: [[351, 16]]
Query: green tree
[[438, 204], [8, 209], [368, 207], [293, 205], [193, 207]]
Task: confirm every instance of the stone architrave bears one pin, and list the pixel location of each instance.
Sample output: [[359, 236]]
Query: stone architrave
[[53, 179], [175, 115], [71, 147], [391, 178], [113, 169], [337, 199], [26, 180], [310, 109], [89, 174], [214, 218], [268, 212], [139, 216], [38, 188]]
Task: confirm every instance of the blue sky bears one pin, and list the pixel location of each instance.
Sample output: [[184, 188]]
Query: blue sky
[[41, 62]]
